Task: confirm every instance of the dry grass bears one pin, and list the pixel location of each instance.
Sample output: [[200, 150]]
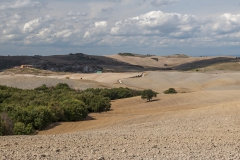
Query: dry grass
[[195, 91], [227, 66], [179, 62], [136, 111]]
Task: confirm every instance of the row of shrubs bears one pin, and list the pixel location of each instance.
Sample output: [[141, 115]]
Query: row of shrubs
[[24, 111]]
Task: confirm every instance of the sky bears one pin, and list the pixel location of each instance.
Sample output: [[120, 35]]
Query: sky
[[103, 27]]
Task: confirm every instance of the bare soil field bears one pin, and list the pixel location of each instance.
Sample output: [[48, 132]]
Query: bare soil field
[[184, 63], [76, 81], [205, 131], [201, 121]]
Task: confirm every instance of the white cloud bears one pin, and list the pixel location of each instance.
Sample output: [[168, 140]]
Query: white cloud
[[63, 33], [156, 23], [173, 29], [91, 27], [19, 4], [37, 23], [99, 30], [101, 24], [226, 23]]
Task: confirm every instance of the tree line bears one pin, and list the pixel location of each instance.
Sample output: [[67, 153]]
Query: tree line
[[24, 111]]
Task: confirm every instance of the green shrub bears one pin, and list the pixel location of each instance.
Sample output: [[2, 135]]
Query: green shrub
[[100, 104], [74, 110], [156, 59], [126, 54], [22, 129], [170, 91], [41, 117], [23, 111], [42, 88], [62, 86]]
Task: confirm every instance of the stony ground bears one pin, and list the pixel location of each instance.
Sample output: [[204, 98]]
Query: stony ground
[[203, 123], [207, 133]]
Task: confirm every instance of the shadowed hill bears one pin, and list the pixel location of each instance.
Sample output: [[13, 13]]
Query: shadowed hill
[[72, 63], [204, 63], [79, 63], [182, 63]]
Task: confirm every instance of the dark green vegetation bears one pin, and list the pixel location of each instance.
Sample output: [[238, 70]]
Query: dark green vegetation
[[24, 111], [170, 91], [135, 55], [73, 62], [126, 54], [156, 59], [148, 94]]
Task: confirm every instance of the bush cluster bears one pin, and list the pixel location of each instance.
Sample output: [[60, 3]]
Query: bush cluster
[[126, 54], [156, 59], [24, 111], [170, 91]]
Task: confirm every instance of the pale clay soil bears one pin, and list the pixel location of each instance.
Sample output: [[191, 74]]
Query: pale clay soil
[[202, 121]]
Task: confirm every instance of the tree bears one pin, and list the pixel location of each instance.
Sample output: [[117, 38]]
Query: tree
[[170, 91], [148, 94]]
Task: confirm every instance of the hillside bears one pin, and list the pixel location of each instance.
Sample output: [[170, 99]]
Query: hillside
[[82, 63], [182, 63], [78, 63]]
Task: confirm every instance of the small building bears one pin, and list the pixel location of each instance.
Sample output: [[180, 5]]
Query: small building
[[26, 66], [99, 71]]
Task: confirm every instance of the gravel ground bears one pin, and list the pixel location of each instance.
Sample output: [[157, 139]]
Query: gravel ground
[[206, 133]]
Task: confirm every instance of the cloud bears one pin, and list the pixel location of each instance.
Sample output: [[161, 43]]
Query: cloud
[[95, 34], [114, 0], [37, 23], [20, 4], [158, 3], [157, 28], [151, 29], [98, 30], [71, 13], [156, 23], [109, 9], [101, 24], [224, 24]]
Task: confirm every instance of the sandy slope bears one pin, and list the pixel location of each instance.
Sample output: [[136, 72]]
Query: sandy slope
[[208, 132], [134, 110], [187, 82], [76, 81], [201, 123], [148, 61]]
